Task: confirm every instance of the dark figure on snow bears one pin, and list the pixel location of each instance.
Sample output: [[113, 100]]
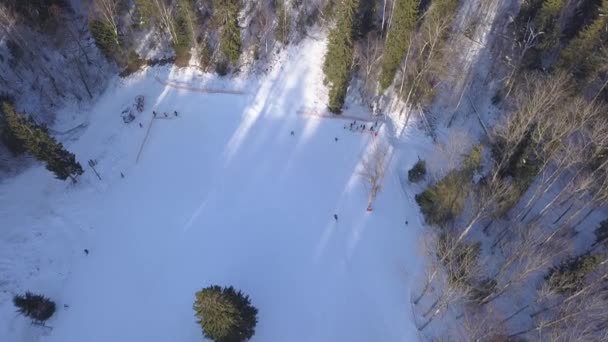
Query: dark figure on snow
[[364, 127], [336, 217], [175, 112], [122, 175], [292, 133], [406, 222], [154, 113], [336, 139], [140, 125], [86, 251], [166, 114], [371, 128]]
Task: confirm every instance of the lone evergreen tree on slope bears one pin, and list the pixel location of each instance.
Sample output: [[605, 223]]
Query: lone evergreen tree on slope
[[41, 145], [225, 314], [37, 307]]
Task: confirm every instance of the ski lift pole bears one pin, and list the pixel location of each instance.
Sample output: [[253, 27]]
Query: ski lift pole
[[92, 164]]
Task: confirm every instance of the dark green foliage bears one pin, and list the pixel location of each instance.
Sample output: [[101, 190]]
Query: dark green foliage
[[37, 307], [601, 233], [225, 14], [41, 145], [403, 23], [569, 276], [546, 22], [443, 202], [145, 10], [366, 18], [134, 63], [586, 12], [582, 56], [522, 165], [106, 39], [339, 56], [225, 315], [283, 22], [528, 11], [431, 63], [472, 161], [221, 67], [417, 172], [206, 54], [7, 137], [37, 12], [184, 35]]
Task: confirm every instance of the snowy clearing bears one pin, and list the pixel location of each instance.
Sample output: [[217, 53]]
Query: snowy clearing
[[222, 194]]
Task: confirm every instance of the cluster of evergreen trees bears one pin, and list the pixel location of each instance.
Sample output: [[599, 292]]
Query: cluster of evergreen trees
[[180, 20], [339, 57], [36, 140], [400, 36], [397, 40]]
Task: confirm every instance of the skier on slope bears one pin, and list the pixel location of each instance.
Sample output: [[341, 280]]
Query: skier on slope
[[336, 217]]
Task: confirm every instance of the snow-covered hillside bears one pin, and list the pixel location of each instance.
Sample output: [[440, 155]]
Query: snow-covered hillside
[[222, 194]]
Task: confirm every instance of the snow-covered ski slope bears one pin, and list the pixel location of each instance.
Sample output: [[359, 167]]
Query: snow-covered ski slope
[[222, 194]]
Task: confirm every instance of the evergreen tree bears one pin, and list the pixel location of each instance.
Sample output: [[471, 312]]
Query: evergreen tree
[[569, 276], [417, 172], [105, 38], [366, 18], [601, 233], [339, 56], [226, 13], [39, 143], [225, 315], [397, 41], [14, 144], [185, 23], [283, 21], [37, 307], [581, 54], [546, 22], [145, 10]]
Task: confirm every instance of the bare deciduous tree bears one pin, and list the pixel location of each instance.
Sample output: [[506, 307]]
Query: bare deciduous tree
[[372, 170]]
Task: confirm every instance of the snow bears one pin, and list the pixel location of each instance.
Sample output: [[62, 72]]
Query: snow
[[221, 194]]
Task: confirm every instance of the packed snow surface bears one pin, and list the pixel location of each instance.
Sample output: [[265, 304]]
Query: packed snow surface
[[221, 194]]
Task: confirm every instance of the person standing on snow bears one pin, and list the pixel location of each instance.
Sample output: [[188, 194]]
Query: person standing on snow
[[336, 217]]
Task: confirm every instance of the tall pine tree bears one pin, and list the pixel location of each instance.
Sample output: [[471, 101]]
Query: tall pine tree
[[546, 22], [185, 23], [581, 55], [39, 143], [397, 41], [339, 56], [226, 15]]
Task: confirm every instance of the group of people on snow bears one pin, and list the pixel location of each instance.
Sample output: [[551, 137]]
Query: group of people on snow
[[354, 127]]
